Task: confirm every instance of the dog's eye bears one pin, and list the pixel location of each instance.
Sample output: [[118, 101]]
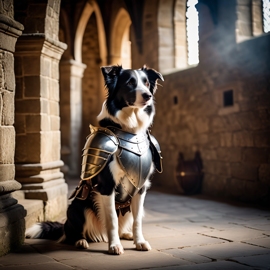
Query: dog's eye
[[130, 83], [147, 84]]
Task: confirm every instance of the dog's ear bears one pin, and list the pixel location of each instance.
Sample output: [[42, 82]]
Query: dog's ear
[[111, 74], [153, 76]]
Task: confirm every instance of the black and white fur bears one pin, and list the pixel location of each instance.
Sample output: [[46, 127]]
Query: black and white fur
[[130, 106]]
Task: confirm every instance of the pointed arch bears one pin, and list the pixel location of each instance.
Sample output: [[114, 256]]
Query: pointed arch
[[120, 52], [90, 7]]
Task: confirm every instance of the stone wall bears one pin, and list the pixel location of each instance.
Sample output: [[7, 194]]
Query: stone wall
[[90, 82], [37, 120], [149, 55], [12, 223], [234, 141], [39, 16]]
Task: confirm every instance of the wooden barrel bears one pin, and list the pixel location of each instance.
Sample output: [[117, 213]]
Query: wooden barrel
[[189, 174]]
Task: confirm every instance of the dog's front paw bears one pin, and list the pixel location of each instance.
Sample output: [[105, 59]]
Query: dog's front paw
[[81, 244], [116, 249], [127, 236], [143, 246]]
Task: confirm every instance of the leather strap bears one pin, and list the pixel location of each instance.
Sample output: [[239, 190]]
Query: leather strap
[[84, 191]]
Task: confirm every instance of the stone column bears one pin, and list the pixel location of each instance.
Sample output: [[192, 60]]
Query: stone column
[[71, 73], [12, 223], [38, 123]]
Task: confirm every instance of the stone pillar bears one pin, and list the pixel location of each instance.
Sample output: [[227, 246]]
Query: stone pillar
[[37, 122], [71, 73], [12, 223]]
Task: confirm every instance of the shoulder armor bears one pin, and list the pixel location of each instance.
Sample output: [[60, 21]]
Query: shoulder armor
[[156, 153], [100, 145]]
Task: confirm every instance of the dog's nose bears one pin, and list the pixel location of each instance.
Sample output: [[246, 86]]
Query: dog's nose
[[146, 96]]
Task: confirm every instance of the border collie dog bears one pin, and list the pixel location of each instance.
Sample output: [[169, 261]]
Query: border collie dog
[[129, 106]]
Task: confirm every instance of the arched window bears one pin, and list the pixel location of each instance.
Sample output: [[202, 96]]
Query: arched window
[[253, 19], [178, 29], [192, 32], [266, 15], [120, 51]]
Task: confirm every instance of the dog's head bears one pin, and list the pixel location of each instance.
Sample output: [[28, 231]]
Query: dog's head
[[129, 103], [129, 88]]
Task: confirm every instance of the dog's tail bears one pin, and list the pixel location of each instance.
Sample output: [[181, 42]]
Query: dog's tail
[[46, 230]]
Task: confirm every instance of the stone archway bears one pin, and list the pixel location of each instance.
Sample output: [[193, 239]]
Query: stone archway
[[120, 40], [76, 70], [172, 34], [92, 86], [90, 7], [166, 35], [37, 121]]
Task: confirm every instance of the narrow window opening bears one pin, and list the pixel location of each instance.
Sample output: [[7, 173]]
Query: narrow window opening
[[266, 15], [192, 32], [228, 98], [175, 100]]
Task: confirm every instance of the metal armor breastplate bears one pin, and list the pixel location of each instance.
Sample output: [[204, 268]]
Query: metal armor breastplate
[[135, 159], [134, 153]]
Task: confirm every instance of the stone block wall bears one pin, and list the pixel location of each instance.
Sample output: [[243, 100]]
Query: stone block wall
[[39, 16], [37, 122], [12, 223], [149, 55], [37, 108], [90, 82], [234, 141]]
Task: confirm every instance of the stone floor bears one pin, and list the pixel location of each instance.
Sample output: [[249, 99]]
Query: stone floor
[[185, 233]]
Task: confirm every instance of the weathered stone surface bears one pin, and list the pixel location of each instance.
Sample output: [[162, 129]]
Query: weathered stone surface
[[214, 184], [7, 70], [262, 139], [188, 256], [26, 253], [47, 194], [254, 261], [12, 227], [1, 106], [247, 172], [255, 155], [226, 139], [54, 108], [183, 241], [210, 266], [227, 250], [8, 108], [34, 68], [7, 42], [167, 221], [56, 208], [7, 8], [7, 172], [7, 144], [229, 154], [243, 138], [28, 106], [35, 212], [260, 242], [264, 173], [28, 148], [217, 168], [20, 124], [236, 234], [9, 186], [136, 259]]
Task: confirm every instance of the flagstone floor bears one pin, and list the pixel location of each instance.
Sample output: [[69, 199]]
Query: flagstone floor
[[185, 233]]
